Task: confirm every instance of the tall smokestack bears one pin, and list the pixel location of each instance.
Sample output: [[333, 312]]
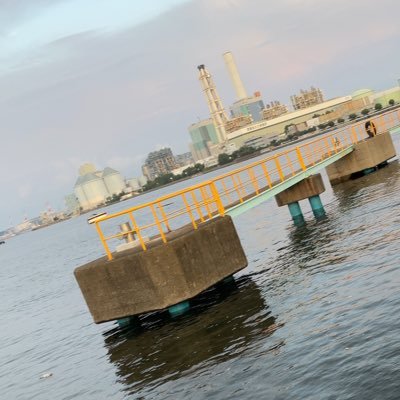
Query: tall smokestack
[[214, 102], [235, 77]]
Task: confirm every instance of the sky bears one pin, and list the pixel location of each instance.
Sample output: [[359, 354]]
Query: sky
[[108, 81]]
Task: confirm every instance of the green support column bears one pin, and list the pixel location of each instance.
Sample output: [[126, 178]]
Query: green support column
[[128, 322], [368, 171], [179, 309], [295, 212], [316, 206]]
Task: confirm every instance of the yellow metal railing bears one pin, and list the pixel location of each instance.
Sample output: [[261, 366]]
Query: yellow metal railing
[[198, 203]]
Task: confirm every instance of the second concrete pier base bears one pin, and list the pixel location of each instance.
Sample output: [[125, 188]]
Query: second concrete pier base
[[309, 188], [368, 155]]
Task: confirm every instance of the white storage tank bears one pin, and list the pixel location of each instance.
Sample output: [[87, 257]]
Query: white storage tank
[[113, 180]]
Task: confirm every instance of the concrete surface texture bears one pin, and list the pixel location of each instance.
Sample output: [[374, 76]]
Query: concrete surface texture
[[367, 154], [137, 282], [311, 186]]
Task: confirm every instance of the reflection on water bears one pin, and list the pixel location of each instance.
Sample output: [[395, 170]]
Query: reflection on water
[[223, 322], [350, 193], [314, 316]]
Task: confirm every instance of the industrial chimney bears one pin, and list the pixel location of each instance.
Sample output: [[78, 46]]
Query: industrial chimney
[[214, 102], [234, 73]]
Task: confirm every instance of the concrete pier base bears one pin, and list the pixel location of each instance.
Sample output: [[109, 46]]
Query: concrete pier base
[[309, 188], [136, 281], [367, 156]]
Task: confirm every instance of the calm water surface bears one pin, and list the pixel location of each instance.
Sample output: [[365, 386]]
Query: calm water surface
[[315, 315]]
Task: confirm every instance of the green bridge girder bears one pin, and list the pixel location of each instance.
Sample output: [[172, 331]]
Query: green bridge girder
[[280, 187]]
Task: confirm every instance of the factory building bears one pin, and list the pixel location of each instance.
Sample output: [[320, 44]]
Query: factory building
[[244, 105], [307, 98], [256, 125], [274, 110], [93, 187], [203, 135], [276, 126], [214, 103], [71, 203], [159, 163], [251, 106], [385, 96]]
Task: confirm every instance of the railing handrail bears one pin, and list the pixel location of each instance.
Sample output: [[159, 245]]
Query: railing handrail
[[326, 144]]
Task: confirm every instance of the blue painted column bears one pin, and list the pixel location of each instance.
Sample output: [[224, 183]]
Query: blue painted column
[[179, 309], [295, 212], [316, 206], [229, 279], [368, 171], [128, 322]]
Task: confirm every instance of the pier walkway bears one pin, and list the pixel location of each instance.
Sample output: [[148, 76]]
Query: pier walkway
[[236, 191]]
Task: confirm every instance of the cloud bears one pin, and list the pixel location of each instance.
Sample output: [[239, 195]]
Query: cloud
[[110, 96], [24, 190]]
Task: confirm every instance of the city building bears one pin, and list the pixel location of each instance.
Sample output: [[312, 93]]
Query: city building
[[92, 188], [71, 203], [184, 159], [159, 163], [273, 110], [307, 98], [203, 135]]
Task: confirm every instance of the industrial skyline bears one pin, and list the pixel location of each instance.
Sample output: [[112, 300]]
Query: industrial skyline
[[70, 90]]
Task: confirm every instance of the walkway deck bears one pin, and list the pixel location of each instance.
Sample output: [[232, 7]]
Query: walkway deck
[[236, 191]]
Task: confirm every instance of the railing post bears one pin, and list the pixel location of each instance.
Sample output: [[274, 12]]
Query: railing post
[[189, 211], [164, 216], [300, 158], [136, 228], [220, 206], [198, 208], [103, 241], [226, 191], [354, 135], [279, 168], [267, 177], [237, 189], [253, 179], [204, 196], [157, 221]]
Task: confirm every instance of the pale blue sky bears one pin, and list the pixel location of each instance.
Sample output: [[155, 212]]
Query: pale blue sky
[[59, 19], [122, 75]]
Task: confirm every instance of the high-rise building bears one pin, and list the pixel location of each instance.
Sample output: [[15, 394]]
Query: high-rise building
[[307, 98], [184, 159], [159, 163], [203, 135], [273, 110]]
